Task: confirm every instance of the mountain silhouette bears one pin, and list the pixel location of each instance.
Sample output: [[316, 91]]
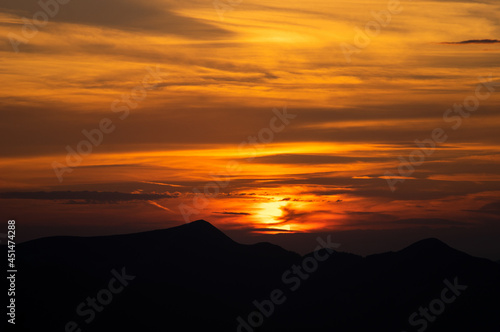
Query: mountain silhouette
[[193, 277]]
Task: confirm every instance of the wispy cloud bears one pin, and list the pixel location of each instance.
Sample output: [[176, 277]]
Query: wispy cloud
[[162, 184], [160, 206], [87, 196]]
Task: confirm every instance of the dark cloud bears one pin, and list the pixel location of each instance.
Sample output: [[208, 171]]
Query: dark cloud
[[289, 214], [369, 215], [429, 222], [292, 214], [272, 230], [410, 189], [85, 197], [130, 15], [490, 208], [473, 41], [110, 166], [313, 159], [493, 206], [234, 213], [24, 131]]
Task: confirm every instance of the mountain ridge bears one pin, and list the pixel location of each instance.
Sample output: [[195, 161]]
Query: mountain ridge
[[195, 275]]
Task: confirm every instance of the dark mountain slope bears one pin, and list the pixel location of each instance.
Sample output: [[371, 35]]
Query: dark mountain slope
[[193, 277]]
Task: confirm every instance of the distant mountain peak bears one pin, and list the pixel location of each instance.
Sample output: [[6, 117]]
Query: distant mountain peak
[[429, 245], [201, 222], [202, 225], [202, 228], [432, 241]]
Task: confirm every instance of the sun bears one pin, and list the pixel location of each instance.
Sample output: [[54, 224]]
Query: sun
[[269, 212]]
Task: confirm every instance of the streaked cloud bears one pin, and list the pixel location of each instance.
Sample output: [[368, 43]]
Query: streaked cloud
[[473, 41], [222, 80], [87, 196], [156, 17]]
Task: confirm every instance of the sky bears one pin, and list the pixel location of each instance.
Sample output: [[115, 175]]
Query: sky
[[269, 120]]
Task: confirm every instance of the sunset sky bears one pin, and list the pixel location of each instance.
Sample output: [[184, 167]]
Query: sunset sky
[[301, 110]]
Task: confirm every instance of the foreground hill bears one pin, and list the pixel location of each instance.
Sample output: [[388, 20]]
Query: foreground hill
[[193, 277]]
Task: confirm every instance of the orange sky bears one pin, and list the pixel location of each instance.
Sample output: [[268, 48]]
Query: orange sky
[[215, 81]]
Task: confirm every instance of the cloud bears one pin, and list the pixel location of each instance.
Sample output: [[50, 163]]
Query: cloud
[[162, 184], [314, 159], [110, 166], [153, 128], [493, 206], [160, 206], [234, 213], [490, 208], [473, 41], [85, 197], [292, 214], [273, 230], [129, 15], [429, 222]]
